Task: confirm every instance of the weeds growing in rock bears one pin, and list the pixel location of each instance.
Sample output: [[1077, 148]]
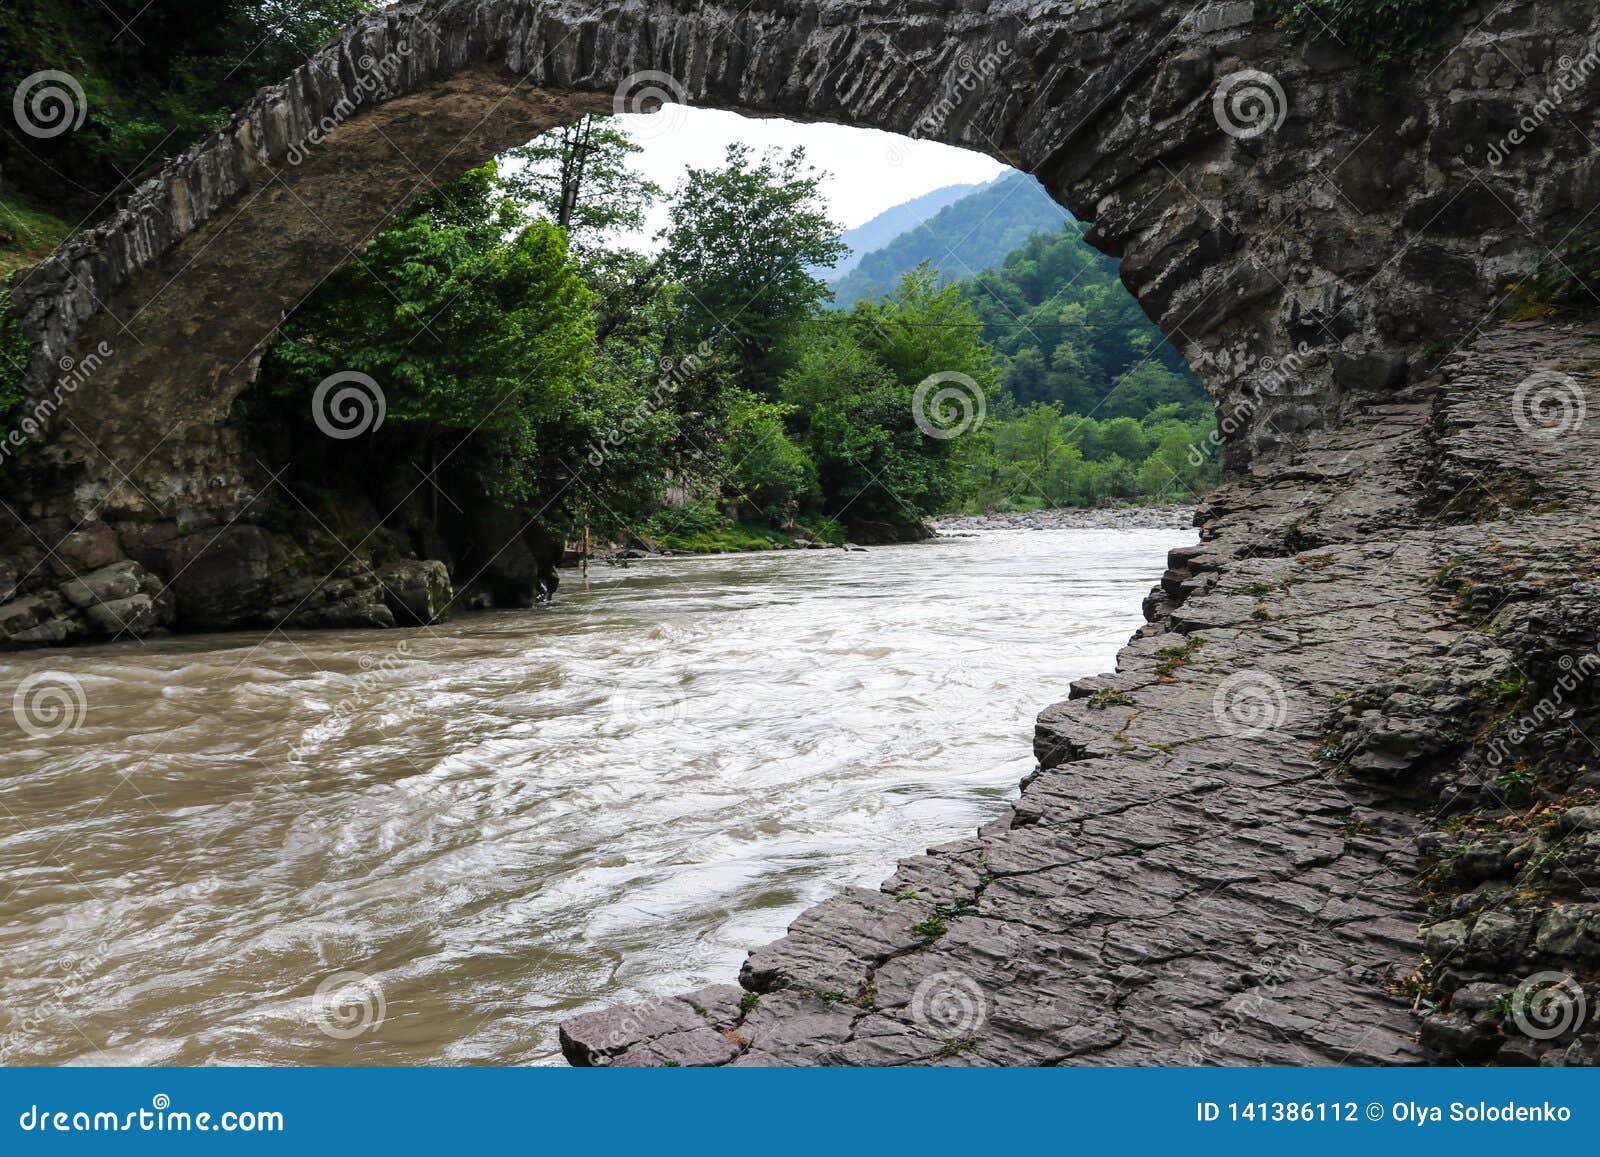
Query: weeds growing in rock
[[1380, 32], [1567, 280], [14, 354], [1109, 697], [958, 1044], [1169, 659]]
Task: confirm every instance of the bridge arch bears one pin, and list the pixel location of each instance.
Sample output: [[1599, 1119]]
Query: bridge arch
[[1301, 232]]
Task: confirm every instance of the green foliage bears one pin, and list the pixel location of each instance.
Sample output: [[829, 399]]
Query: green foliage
[[766, 470], [155, 76], [28, 234], [1044, 458], [578, 176], [15, 351], [479, 330], [473, 337], [701, 528], [1067, 331], [1380, 32], [1571, 278], [853, 390], [742, 243]]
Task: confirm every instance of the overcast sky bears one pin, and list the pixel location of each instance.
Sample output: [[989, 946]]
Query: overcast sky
[[868, 171]]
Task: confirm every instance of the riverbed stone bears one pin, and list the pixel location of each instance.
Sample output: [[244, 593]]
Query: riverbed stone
[[106, 585]]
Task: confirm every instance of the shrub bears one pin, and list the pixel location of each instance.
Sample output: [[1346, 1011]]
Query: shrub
[[14, 354], [1571, 280], [1380, 32]]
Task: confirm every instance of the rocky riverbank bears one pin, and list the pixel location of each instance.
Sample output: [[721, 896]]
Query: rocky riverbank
[[1072, 518], [1336, 805], [740, 539]]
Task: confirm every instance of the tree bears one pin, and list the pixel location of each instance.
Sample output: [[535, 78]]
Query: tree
[[854, 388], [478, 336], [1146, 388], [1066, 329], [742, 242], [766, 469], [1117, 438], [578, 176], [1174, 472]]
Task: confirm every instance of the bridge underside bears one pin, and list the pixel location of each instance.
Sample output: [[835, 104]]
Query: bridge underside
[[1313, 268]]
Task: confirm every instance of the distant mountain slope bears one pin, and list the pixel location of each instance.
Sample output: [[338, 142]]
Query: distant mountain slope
[[889, 224], [1065, 329], [961, 240]]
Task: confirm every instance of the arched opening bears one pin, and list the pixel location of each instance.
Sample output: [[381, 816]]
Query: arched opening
[[1302, 267], [1261, 269]]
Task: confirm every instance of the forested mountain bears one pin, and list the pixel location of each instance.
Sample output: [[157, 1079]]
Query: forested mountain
[[889, 224], [1066, 330], [1092, 405], [960, 240]]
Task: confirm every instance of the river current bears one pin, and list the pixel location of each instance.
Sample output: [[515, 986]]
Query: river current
[[412, 847]]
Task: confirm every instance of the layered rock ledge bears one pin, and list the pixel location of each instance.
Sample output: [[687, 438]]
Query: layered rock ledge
[[1231, 846]]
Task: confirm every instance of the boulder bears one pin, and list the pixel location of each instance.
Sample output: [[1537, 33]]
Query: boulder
[[107, 585], [416, 591], [135, 615], [89, 547]]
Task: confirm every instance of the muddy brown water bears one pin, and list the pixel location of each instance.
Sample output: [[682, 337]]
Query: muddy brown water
[[431, 846]]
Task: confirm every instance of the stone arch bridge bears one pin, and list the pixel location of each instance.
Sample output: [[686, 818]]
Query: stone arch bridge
[[1315, 218], [1317, 240]]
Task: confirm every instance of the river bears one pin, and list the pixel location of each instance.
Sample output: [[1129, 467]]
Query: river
[[412, 847]]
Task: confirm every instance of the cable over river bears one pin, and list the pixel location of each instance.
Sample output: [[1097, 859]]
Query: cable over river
[[430, 846]]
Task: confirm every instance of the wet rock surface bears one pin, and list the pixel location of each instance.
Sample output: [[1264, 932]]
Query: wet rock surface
[[1227, 854]]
